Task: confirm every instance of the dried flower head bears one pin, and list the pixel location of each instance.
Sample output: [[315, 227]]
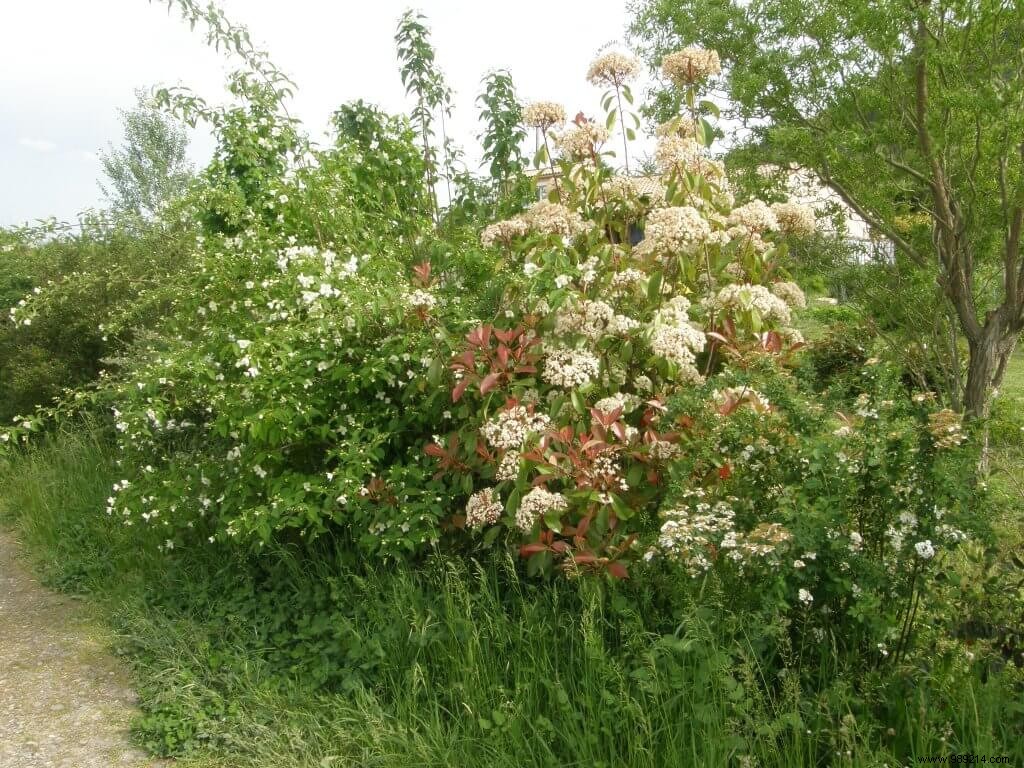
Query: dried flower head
[[946, 428]]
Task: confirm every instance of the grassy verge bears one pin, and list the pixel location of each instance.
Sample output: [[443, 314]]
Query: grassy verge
[[289, 660]]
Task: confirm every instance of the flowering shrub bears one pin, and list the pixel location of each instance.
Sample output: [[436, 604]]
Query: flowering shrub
[[559, 402]]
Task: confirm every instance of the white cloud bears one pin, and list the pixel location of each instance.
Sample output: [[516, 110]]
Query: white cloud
[[38, 145]]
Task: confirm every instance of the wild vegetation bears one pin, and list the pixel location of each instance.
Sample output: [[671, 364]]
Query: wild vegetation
[[370, 460]]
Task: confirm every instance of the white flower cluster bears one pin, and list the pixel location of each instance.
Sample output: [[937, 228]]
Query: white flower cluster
[[504, 232], [627, 280], [691, 536], [543, 114], [674, 230], [613, 69], [676, 339], [790, 293], [593, 320], [691, 65], [508, 467], [553, 219], [510, 428], [694, 536], [420, 300], [569, 368], [795, 219], [483, 509], [746, 297], [623, 400], [537, 503], [581, 140]]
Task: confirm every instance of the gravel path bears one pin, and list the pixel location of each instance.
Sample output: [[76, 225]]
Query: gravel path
[[64, 701]]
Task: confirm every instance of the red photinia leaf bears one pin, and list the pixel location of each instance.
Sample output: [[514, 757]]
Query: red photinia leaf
[[585, 558], [459, 390], [725, 471], [435, 450], [532, 549], [489, 382], [422, 273], [618, 570], [560, 547], [466, 360], [503, 355], [506, 336]]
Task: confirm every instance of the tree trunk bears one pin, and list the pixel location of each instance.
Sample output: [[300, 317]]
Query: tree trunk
[[987, 361]]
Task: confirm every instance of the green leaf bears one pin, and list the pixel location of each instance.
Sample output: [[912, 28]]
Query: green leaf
[[654, 286]]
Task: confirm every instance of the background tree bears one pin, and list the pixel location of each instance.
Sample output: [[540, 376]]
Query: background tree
[[424, 80], [151, 166], [903, 108], [503, 136]]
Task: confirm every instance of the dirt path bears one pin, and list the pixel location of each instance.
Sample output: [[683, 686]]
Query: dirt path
[[64, 701]]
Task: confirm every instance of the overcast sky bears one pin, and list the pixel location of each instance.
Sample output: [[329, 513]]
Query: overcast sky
[[67, 66]]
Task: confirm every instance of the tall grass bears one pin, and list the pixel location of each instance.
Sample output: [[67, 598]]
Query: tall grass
[[290, 659]]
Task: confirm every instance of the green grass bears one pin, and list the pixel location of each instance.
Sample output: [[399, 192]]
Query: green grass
[[286, 660]]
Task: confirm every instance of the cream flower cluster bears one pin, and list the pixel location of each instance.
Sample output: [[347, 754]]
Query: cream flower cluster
[[592, 319], [674, 153], [676, 339], [569, 368], [681, 127], [691, 65], [553, 219], [755, 216], [537, 503], [504, 232], [581, 140], [510, 428], [795, 219], [613, 69], [746, 297], [626, 281], [674, 230], [543, 114], [483, 509], [790, 293]]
